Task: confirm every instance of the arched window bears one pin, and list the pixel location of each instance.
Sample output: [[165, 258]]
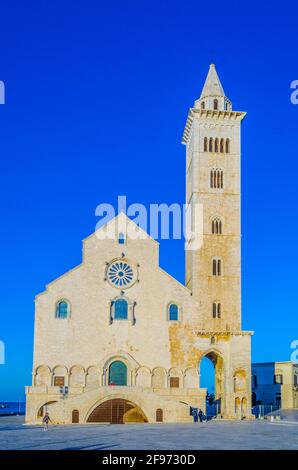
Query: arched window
[[216, 226], [216, 178], [211, 145], [118, 373], [121, 239], [215, 104], [228, 146], [203, 105], [173, 313], [216, 267], [205, 144], [120, 309], [216, 310], [222, 146], [62, 309], [216, 145]]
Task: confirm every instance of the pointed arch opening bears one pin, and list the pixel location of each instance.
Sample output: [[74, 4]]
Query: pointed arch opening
[[211, 370]]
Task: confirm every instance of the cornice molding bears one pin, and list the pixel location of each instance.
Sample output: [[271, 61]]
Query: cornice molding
[[209, 114]]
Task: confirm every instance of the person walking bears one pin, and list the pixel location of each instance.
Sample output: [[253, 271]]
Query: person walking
[[201, 415], [45, 421]]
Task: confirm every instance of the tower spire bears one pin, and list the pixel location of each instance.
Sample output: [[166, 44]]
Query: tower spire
[[212, 86], [213, 95]]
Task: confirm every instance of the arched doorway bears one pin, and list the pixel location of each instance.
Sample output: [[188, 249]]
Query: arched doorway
[[117, 411], [75, 416], [212, 377], [159, 415], [243, 407], [44, 408], [118, 373]]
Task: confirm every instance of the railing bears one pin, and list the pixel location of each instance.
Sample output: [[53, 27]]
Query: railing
[[264, 411]]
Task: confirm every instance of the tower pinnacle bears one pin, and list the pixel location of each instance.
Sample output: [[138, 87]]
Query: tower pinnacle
[[213, 95]]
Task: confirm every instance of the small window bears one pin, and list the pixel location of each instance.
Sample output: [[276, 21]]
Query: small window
[[121, 239], [205, 144], [173, 312], [211, 145], [228, 146], [216, 145], [216, 226], [216, 267], [216, 179], [159, 415], [121, 309], [278, 379], [59, 381], [62, 310], [216, 310], [203, 105], [222, 146], [174, 382], [215, 104]]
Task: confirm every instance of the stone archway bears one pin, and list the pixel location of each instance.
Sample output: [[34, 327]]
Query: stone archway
[[43, 408], [219, 389], [117, 411]]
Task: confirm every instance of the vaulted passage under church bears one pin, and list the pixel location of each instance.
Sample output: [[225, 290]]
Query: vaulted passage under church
[[117, 411]]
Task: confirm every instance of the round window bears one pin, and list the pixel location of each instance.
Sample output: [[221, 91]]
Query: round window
[[121, 274]]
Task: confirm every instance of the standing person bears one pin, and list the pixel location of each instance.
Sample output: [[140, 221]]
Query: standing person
[[200, 415], [45, 421]]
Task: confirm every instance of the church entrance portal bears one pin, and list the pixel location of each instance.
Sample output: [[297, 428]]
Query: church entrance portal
[[117, 411]]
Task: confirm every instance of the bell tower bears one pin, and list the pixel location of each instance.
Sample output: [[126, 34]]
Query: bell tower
[[212, 137]]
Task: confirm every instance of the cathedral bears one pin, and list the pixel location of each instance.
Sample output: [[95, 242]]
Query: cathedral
[[117, 339]]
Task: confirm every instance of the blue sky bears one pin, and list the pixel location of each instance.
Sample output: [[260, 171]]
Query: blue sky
[[97, 95]]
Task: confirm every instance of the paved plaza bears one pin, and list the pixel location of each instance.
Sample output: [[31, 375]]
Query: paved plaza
[[211, 435]]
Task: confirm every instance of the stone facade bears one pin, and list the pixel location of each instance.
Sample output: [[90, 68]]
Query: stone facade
[[120, 309]]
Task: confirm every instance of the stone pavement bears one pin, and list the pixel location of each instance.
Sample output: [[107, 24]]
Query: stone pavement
[[211, 435]]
